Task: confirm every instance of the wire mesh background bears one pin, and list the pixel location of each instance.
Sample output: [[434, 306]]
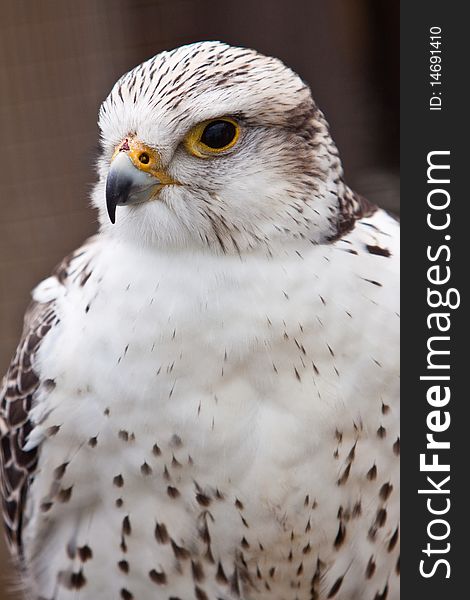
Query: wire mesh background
[[59, 58]]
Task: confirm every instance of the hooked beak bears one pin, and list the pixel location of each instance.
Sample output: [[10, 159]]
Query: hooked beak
[[133, 177]]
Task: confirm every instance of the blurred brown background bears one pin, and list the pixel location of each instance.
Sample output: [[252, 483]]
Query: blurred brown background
[[59, 59]]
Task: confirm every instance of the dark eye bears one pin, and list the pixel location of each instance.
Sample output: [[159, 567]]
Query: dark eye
[[218, 134], [212, 137]]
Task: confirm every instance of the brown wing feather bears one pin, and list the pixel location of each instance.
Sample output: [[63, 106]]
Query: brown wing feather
[[20, 384], [352, 208], [17, 395]]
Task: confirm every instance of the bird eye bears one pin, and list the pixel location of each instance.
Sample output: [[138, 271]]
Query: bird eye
[[218, 134], [212, 137]]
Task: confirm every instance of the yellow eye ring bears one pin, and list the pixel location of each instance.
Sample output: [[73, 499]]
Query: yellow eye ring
[[212, 137]]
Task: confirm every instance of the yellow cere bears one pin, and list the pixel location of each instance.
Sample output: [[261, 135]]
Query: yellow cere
[[144, 158]]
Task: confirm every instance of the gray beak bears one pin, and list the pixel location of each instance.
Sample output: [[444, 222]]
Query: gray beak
[[126, 184]]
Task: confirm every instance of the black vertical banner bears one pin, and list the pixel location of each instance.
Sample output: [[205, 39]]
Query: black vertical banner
[[435, 167]]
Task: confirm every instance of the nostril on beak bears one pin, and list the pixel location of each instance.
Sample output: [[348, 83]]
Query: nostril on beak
[[126, 184]]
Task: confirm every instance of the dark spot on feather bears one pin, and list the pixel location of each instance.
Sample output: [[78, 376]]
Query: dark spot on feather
[[220, 575], [197, 571], [85, 553], [357, 509], [161, 533], [378, 250], [118, 481], [49, 384], [203, 500], [372, 473], [64, 495], [393, 540], [84, 278], [344, 477], [59, 472], [340, 536], [146, 469], [372, 281], [77, 580], [126, 525], [335, 587], [172, 492], [158, 577], [385, 491], [126, 594], [370, 569], [71, 580], [385, 409], [156, 450], [381, 517], [381, 432], [352, 453], [179, 552], [123, 566], [396, 447]]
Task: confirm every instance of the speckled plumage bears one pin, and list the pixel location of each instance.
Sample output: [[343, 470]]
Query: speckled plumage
[[204, 403]]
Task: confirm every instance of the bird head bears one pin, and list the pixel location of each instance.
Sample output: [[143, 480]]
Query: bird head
[[218, 146]]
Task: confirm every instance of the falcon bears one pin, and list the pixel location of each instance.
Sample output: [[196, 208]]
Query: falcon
[[204, 401]]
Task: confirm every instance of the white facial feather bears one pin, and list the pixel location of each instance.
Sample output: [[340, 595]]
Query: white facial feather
[[281, 178]]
